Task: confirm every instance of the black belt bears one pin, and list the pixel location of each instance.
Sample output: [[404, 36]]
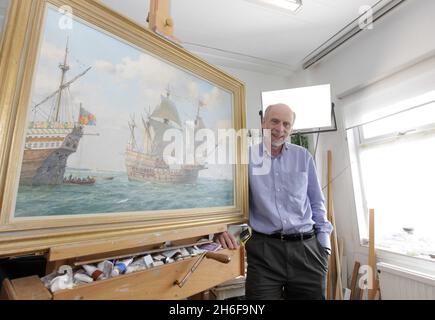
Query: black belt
[[288, 237]]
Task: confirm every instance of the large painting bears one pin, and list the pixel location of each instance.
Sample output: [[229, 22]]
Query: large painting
[[118, 124]]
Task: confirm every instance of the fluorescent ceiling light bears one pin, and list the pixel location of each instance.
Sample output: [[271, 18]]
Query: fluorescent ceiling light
[[289, 5]]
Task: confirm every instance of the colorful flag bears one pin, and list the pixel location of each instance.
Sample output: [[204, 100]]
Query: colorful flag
[[86, 118]]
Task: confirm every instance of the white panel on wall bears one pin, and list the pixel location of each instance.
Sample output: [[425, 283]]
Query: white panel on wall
[[398, 283], [312, 104]]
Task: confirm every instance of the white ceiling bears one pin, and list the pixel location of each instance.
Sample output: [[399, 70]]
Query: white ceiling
[[237, 33]]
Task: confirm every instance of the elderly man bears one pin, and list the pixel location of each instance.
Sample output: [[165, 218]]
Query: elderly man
[[288, 251]]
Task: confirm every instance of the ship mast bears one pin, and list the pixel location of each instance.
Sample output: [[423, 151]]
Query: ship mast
[[54, 115], [64, 67], [197, 113], [148, 140]]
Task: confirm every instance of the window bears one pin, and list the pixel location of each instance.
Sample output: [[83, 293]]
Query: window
[[396, 168]]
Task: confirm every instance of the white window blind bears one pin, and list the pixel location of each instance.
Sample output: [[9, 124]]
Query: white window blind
[[410, 88]]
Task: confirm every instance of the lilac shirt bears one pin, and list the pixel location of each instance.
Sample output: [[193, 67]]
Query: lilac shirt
[[285, 195]]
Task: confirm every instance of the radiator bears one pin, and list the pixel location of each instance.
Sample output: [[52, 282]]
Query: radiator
[[398, 283]]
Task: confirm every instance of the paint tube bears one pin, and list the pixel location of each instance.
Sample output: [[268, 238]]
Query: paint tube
[[168, 260], [170, 253], [136, 265], [158, 257], [184, 253], [193, 251], [158, 263], [133, 268], [148, 260], [106, 266], [178, 256], [120, 267], [60, 283], [81, 277], [48, 278], [93, 271]]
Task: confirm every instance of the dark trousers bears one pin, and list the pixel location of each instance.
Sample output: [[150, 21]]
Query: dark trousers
[[280, 269]]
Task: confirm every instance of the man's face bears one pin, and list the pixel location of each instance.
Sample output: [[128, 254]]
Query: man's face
[[279, 120]]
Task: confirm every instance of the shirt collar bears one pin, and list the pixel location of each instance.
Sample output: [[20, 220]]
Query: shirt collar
[[267, 152]]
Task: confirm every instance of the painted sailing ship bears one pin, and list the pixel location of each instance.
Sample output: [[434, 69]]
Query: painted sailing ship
[[52, 138], [146, 162]]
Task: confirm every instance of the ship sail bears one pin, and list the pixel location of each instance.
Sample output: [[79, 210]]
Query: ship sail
[[167, 111], [159, 129], [149, 164]]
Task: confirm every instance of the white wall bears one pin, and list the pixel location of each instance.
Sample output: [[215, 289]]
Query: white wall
[[400, 39], [237, 66], [255, 83]]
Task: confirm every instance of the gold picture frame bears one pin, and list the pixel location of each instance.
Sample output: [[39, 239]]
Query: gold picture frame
[[24, 48]]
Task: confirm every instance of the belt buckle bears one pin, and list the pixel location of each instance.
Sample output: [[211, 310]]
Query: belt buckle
[[282, 236]]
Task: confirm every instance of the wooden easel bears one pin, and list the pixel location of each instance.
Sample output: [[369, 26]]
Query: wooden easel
[[160, 21], [354, 282], [374, 290]]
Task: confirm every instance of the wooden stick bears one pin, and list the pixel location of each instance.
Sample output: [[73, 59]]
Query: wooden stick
[[223, 258], [372, 255], [340, 255], [353, 284], [330, 277], [339, 285], [338, 288], [330, 286]]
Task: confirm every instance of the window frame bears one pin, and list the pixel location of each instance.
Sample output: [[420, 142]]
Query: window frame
[[357, 142]]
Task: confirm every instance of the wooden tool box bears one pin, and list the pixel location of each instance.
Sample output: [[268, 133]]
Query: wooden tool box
[[155, 283]]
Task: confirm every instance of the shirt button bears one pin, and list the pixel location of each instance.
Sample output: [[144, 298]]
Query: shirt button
[[279, 190], [276, 173]]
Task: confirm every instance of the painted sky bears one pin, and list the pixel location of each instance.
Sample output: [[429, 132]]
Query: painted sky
[[123, 80]]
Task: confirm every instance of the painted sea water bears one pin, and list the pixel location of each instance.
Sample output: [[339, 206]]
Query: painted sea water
[[113, 192]]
